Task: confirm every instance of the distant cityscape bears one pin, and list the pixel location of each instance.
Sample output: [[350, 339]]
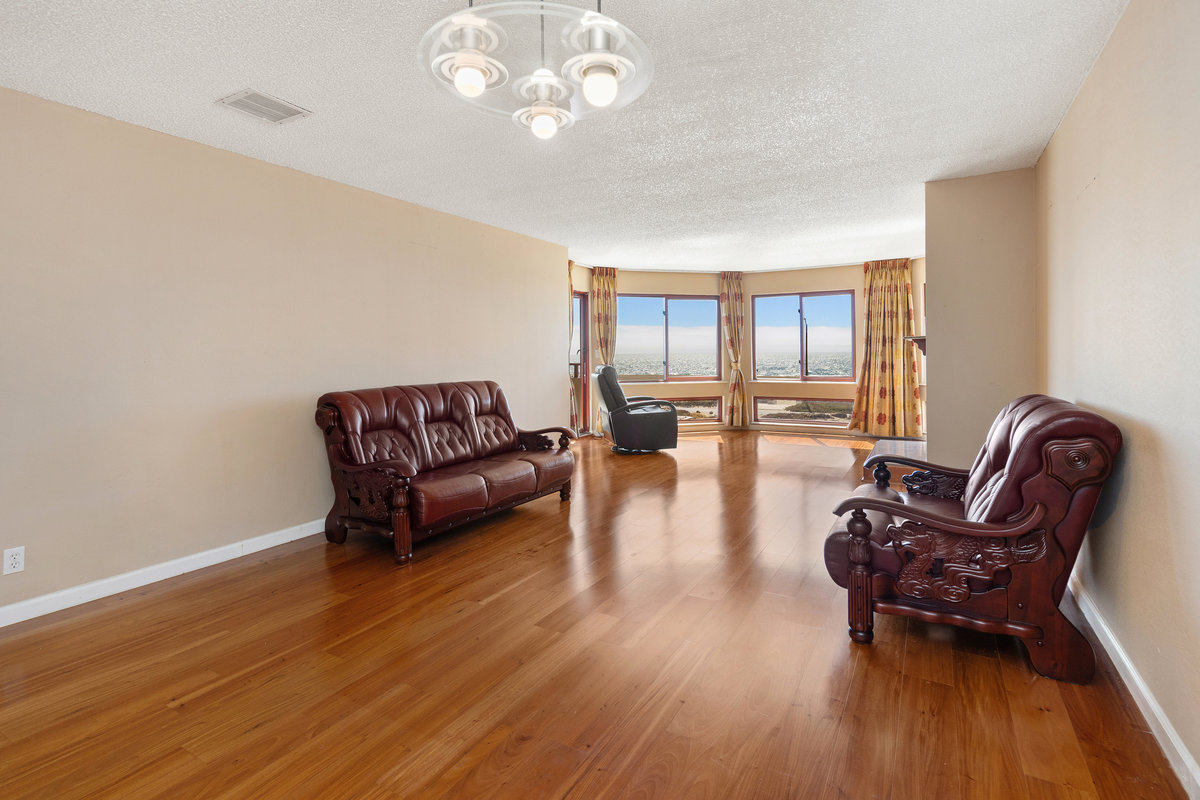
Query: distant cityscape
[[644, 366], [684, 365], [835, 364]]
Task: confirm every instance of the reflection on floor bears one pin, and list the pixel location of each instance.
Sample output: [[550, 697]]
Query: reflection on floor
[[670, 632]]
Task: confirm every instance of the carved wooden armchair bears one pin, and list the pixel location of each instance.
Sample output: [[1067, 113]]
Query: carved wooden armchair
[[990, 548]]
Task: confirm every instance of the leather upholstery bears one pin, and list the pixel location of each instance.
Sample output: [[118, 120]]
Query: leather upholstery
[[990, 548], [1012, 451], [640, 424], [459, 440], [429, 426], [1010, 456]]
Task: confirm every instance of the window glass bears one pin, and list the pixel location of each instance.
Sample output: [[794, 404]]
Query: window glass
[[641, 347], [818, 412], [777, 336], [575, 355], [806, 336], [692, 338], [699, 409], [667, 338], [828, 342]]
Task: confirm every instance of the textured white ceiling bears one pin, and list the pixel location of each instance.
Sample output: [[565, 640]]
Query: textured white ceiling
[[775, 134]]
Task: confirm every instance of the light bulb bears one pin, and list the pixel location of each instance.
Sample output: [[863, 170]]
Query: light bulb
[[544, 126], [600, 85], [469, 80]]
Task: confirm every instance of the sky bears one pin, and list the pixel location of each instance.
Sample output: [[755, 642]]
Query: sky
[[694, 324]]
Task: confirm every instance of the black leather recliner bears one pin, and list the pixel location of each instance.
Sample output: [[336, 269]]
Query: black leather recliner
[[637, 424]]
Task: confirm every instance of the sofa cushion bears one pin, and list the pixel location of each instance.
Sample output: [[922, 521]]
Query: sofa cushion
[[550, 466], [494, 428], [506, 480], [444, 495]]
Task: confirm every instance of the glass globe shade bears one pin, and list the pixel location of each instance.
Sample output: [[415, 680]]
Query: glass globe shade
[[470, 81], [600, 86], [544, 126]]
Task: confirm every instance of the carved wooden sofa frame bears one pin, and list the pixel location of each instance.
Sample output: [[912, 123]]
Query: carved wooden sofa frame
[[376, 497]]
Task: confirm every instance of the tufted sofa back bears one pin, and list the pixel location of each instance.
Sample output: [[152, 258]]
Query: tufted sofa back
[[428, 426], [1015, 448]]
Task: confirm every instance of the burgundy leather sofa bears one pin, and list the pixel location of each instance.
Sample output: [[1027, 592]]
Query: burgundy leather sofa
[[412, 461], [990, 548]]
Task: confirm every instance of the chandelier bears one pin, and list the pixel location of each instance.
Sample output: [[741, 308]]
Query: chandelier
[[542, 65]]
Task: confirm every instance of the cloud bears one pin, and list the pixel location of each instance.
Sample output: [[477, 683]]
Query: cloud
[[786, 339], [645, 339]]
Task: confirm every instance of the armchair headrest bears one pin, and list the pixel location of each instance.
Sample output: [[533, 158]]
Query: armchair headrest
[[1014, 449], [611, 394]]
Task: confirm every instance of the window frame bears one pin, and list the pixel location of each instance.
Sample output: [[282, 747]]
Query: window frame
[[760, 421], [667, 377], [715, 421], [804, 377]]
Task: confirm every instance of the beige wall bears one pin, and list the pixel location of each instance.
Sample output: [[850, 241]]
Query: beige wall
[[170, 312], [982, 350], [1119, 261]]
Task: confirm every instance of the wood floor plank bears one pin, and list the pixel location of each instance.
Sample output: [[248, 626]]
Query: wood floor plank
[[669, 632]]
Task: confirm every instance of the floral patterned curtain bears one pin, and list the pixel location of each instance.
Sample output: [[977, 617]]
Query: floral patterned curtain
[[570, 339], [733, 322], [604, 317], [886, 403]]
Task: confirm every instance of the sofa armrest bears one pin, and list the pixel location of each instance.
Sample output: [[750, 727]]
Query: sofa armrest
[[538, 440], [401, 469], [929, 479], [1018, 527], [380, 489], [885, 458]]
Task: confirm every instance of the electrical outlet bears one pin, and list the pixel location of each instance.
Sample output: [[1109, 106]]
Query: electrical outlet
[[14, 559]]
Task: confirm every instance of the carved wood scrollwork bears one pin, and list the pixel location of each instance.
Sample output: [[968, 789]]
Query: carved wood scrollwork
[[940, 565], [536, 441], [935, 484], [372, 490], [1076, 462]]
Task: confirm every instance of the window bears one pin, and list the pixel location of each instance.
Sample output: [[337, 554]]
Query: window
[[807, 336], [812, 412], [667, 338], [698, 409]]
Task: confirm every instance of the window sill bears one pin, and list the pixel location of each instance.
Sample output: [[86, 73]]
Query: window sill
[[643, 381], [786, 381]]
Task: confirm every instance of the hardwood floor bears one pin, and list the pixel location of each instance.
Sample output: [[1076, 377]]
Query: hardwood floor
[[670, 632]]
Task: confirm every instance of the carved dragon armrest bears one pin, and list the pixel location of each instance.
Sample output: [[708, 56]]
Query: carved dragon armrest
[[379, 489], [858, 506], [930, 479], [538, 440], [940, 557]]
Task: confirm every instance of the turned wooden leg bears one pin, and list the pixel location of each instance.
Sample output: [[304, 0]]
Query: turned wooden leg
[[565, 492], [401, 536], [1062, 653], [335, 527], [882, 475], [858, 587]]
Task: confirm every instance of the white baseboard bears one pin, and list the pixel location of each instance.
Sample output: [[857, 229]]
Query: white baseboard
[[77, 595], [1180, 758]]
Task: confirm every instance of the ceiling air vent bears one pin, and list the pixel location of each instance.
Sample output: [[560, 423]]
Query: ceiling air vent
[[265, 107]]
